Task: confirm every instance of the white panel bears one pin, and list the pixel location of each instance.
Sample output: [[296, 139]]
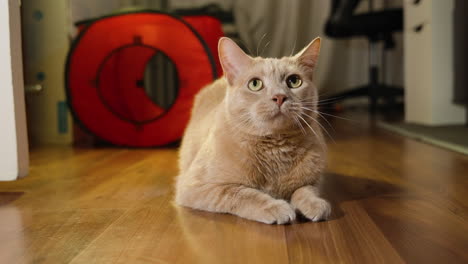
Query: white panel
[[444, 110], [13, 139], [419, 13], [418, 81], [429, 72]]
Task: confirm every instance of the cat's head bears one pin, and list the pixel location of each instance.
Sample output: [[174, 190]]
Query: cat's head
[[268, 95]]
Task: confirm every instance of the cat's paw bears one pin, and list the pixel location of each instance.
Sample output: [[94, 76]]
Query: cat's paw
[[276, 211], [314, 208]]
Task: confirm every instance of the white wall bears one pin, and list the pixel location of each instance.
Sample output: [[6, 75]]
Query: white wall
[[13, 138]]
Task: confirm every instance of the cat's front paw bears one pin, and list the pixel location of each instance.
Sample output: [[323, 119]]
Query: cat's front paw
[[276, 211], [314, 208]]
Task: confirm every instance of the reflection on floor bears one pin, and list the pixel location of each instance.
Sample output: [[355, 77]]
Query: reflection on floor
[[453, 137]]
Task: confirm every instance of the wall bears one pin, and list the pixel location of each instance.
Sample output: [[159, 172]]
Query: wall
[[45, 47]]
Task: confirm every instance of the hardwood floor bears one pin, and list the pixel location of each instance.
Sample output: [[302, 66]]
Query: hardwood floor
[[395, 201]]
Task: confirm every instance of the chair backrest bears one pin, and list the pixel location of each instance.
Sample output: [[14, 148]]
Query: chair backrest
[[380, 25], [341, 10]]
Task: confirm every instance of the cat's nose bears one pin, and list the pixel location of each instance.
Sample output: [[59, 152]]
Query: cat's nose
[[279, 99]]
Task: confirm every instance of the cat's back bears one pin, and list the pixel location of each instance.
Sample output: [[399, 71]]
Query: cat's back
[[208, 99], [206, 104]]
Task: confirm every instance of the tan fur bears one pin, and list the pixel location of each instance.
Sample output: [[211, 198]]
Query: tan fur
[[244, 155]]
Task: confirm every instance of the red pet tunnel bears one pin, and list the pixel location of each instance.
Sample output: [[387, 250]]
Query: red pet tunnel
[[107, 72]]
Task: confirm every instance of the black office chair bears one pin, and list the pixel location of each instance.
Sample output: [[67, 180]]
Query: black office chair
[[376, 26]]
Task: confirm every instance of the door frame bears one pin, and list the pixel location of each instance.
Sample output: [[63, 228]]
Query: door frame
[[14, 153]]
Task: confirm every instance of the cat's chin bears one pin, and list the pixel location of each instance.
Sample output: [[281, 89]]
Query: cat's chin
[[278, 123]]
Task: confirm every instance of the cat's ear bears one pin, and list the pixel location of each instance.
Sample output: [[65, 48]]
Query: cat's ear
[[233, 59], [309, 55]]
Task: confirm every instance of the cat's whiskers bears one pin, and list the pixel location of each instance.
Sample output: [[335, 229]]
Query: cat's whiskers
[[304, 106], [314, 100], [292, 112], [319, 114], [317, 104], [310, 100], [268, 43], [296, 110], [294, 47], [237, 130], [260, 42], [323, 128], [322, 113], [298, 122], [242, 124], [326, 120], [322, 144], [331, 99], [243, 120], [307, 98]]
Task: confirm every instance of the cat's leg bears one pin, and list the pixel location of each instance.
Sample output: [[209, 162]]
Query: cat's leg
[[306, 199], [238, 200]]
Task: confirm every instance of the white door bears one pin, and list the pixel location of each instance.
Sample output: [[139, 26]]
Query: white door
[[14, 158]]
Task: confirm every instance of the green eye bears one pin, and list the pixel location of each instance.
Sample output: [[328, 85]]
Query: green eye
[[255, 84], [294, 81]]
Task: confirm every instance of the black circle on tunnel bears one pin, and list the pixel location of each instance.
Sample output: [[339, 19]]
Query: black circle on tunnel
[[136, 68]]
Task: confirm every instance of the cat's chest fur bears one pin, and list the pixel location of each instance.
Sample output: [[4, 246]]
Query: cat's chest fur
[[272, 159]]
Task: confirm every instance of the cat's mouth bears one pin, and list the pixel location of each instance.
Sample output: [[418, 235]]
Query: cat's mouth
[[278, 113]]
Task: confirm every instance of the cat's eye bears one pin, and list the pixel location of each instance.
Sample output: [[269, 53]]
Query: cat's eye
[[255, 84], [294, 81]]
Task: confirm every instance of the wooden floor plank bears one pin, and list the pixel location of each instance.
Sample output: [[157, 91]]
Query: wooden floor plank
[[49, 236], [352, 238], [421, 229], [169, 234]]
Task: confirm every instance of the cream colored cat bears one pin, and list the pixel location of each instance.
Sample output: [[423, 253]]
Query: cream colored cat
[[254, 147]]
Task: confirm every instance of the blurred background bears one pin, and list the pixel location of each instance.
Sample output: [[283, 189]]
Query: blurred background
[[406, 57], [270, 28]]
